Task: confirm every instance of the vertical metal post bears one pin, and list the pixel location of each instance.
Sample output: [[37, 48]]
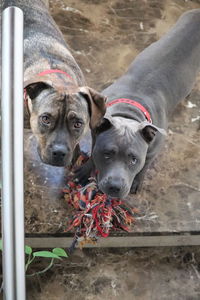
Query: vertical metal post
[[12, 155]]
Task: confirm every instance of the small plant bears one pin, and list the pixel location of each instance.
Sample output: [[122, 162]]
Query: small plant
[[56, 253]]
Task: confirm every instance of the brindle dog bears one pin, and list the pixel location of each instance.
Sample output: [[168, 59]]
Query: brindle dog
[[61, 107]]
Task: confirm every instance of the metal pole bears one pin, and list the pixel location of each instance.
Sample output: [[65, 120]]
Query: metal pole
[[12, 155]]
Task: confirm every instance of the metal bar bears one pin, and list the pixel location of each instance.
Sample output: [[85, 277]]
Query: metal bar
[[119, 242], [12, 155]]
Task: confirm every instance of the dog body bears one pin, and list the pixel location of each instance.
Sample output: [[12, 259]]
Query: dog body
[[61, 107], [162, 75]]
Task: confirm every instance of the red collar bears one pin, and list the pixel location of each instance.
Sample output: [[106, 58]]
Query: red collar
[[134, 103], [50, 71]]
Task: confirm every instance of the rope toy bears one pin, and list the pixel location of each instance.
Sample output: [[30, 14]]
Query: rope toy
[[95, 213]]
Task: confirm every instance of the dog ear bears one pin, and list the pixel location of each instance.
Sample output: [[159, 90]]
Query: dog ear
[[34, 89], [105, 124], [96, 103], [148, 131]]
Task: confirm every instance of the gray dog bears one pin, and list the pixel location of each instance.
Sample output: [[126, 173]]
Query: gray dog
[[139, 105], [61, 107]]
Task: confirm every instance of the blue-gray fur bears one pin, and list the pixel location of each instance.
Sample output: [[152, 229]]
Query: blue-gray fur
[[159, 78]]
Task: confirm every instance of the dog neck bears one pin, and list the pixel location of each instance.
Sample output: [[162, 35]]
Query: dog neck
[[126, 112], [129, 109]]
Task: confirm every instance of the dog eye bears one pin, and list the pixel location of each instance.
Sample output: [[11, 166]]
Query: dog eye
[[45, 119], [133, 160], [78, 124], [108, 154]]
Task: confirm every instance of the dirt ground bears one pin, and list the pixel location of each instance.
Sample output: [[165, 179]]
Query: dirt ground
[[129, 274], [104, 36], [104, 43]]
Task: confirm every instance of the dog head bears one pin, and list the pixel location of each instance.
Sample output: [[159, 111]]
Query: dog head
[[120, 151], [60, 116]]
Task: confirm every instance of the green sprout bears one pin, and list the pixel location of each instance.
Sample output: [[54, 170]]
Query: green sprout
[[56, 253]]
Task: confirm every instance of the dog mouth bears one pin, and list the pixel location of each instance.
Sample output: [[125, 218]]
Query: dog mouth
[[55, 164], [120, 195]]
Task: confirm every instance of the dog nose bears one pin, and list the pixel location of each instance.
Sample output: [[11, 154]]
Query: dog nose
[[114, 189], [112, 186], [59, 153]]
